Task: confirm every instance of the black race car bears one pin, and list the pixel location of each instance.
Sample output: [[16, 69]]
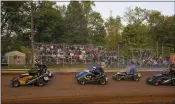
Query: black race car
[[123, 75], [94, 75], [161, 79], [88, 77]]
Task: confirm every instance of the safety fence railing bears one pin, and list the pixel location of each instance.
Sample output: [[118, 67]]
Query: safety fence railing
[[81, 61], [62, 56]]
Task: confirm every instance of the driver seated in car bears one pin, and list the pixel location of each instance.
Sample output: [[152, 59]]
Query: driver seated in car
[[132, 68], [172, 70], [40, 67], [97, 71]]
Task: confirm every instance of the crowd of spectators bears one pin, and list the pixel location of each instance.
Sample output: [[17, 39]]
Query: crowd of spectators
[[150, 59], [78, 53]]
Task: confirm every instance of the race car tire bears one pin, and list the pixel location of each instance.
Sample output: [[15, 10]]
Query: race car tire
[[155, 83], [40, 82], [46, 81], [118, 77], [173, 82], [82, 82], [136, 78], [16, 84], [147, 79], [114, 77], [102, 81]]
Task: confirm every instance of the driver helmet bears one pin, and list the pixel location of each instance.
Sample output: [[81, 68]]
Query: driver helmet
[[36, 61], [94, 68]]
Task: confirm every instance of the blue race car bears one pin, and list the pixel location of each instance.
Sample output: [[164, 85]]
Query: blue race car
[[81, 73], [89, 76]]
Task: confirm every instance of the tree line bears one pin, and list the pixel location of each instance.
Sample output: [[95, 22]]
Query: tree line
[[78, 23]]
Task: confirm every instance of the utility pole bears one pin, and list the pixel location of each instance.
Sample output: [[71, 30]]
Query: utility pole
[[32, 34]]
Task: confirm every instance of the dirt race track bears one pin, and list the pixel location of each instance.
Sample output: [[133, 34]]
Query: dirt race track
[[63, 89]]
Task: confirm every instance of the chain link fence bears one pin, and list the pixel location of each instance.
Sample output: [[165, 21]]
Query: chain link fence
[[81, 56]]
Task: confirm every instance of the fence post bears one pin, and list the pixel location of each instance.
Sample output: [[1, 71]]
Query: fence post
[[8, 61], [162, 52], [118, 56], [111, 60], [85, 58], [63, 54], [140, 53], [123, 60], [132, 53], [52, 52], [157, 49], [57, 60]]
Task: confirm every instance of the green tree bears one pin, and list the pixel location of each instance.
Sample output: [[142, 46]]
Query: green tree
[[154, 19], [136, 15], [76, 24], [49, 23], [13, 26], [97, 32], [113, 27], [161, 29], [135, 35], [11, 17]]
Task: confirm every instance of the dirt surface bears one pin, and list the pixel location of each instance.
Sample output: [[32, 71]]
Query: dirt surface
[[63, 89]]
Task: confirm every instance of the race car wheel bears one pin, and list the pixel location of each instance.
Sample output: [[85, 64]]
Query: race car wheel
[[114, 77], [118, 77], [173, 82], [136, 78], [16, 84], [82, 82], [155, 83], [40, 82], [102, 81], [46, 81], [147, 79]]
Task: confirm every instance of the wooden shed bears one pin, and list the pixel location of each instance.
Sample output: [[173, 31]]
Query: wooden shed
[[16, 57]]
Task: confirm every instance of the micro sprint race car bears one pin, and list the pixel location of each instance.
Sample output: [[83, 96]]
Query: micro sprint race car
[[87, 76], [161, 79], [81, 73], [32, 78], [123, 75]]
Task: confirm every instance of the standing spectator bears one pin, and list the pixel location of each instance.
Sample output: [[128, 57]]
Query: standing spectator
[[18, 60], [81, 57], [155, 64], [27, 59]]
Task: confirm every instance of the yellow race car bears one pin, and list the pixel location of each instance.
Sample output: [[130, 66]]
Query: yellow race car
[[30, 79]]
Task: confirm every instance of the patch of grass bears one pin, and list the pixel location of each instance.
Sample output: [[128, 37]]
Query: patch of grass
[[28, 66]]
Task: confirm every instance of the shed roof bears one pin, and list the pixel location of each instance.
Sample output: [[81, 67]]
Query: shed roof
[[12, 53]]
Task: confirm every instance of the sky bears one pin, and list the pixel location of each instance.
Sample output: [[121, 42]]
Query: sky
[[119, 8]]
